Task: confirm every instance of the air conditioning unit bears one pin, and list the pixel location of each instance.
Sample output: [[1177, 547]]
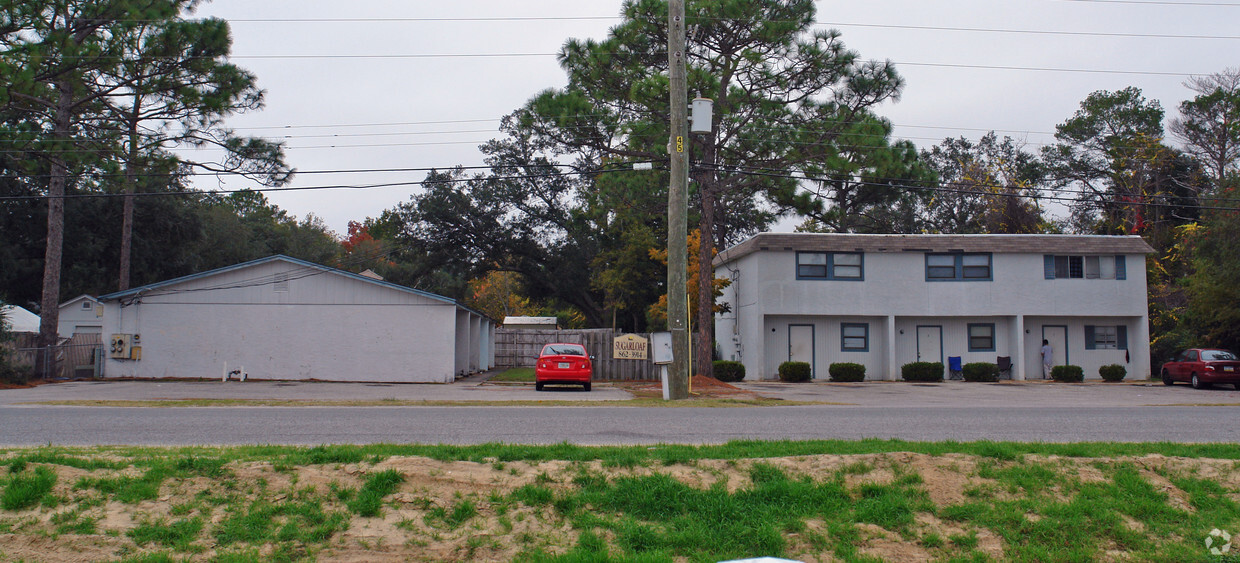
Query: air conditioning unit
[[119, 349]]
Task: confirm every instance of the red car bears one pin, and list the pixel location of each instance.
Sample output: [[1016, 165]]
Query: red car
[[1203, 367], [563, 363]]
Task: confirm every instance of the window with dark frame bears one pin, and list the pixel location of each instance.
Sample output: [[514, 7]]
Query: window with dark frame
[[959, 267], [1105, 338], [981, 337], [1105, 267], [830, 266], [854, 337]]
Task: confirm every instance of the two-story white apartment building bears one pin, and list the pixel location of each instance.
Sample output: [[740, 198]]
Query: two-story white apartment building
[[887, 300]]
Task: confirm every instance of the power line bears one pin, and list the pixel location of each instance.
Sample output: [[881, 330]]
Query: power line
[[417, 183], [972, 189], [1030, 31], [1159, 3], [896, 63]]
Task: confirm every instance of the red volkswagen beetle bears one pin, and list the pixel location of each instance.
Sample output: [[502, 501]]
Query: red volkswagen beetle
[[1203, 367], [563, 363]]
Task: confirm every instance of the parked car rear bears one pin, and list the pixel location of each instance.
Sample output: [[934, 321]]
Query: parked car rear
[[1202, 367], [562, 363]]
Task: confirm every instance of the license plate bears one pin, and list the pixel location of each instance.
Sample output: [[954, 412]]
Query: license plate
[[563, 365], [1229, 368]]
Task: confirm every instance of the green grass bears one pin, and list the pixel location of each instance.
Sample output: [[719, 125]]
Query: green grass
[[370, 499], [621, 506], [511, 375], [27, 489], [178, 535]]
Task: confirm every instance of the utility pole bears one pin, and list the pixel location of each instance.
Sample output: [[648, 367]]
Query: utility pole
[[678, 204]]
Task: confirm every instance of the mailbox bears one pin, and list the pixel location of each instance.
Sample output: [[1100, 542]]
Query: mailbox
[[661, 347]]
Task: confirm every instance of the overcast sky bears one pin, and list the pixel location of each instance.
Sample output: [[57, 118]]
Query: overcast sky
[[359, 85]]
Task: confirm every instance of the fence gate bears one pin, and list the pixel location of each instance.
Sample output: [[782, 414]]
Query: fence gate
[[517, 347]]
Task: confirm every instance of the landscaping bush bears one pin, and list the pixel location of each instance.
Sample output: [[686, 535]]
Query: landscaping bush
[[922, 371], [980, 371], [846, 371], [729, 371], [1068, 374], [795, 372], [1112, 372]]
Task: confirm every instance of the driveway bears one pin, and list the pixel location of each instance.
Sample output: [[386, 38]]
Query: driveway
[[467, 389]]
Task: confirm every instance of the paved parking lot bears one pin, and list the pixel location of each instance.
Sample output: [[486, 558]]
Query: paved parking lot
[[1003, 394], [868, 394]]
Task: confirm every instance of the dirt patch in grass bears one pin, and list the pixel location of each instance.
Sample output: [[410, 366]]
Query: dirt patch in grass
[[498, 511]]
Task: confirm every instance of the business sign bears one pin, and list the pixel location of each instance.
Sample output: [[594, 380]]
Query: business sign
[[628, 347]]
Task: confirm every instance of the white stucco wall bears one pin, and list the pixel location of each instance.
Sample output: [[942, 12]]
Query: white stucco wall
[[765, 298], [326, 326]]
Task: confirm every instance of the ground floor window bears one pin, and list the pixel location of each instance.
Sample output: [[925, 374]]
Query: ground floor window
[[982, 337], [1106, 337], [854, 337]]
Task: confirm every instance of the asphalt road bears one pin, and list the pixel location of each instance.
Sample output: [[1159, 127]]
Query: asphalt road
[[595, 425], [1028, 411]]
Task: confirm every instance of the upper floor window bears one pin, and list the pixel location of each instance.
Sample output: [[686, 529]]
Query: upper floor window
[[958, 267], [1085, 267], [830, 266]]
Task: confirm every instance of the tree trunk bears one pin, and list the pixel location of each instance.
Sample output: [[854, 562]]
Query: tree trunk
[[704, 353], [131, 184], [49, 311]]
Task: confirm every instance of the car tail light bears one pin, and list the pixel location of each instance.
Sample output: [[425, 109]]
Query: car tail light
[[1209, 368]]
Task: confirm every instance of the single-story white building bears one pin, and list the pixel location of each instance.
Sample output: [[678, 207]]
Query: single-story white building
[[81, 315], [284, 318], [532, 323], [886, 300], [20, 320]]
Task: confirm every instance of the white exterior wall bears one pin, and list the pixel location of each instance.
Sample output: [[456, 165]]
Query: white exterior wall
[[81, 315], [326, 326], [765, 297]]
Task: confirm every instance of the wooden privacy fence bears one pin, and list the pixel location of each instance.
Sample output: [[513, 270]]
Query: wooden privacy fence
[[520, 348]]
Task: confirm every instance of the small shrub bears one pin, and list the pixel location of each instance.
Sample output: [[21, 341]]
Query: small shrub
[[795, 372], [729, 371], [846, 371], [980, 371], [1068, 374], [922, 371], [1112, 372]]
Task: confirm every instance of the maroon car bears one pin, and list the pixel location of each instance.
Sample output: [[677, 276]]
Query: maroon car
[[1203, 367], [563, 363]]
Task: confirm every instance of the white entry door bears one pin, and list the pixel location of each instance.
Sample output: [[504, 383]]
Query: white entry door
[[930, 344], [1057, 336], [801, 345]]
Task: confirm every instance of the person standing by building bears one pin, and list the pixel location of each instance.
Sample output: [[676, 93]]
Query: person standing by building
[[1048, 358]]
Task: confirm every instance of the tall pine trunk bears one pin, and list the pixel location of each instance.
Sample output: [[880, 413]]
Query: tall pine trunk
[[131, 184], [49, 311]]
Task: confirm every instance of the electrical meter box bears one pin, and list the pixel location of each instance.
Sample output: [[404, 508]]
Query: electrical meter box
[[661, 347]]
